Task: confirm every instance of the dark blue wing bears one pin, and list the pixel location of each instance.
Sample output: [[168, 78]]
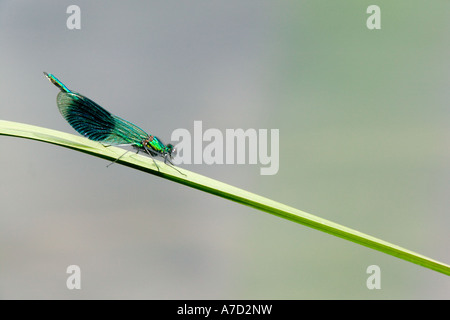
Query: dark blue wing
[[96, 123]]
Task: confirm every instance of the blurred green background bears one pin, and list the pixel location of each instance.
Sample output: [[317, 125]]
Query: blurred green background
[[363, 119]]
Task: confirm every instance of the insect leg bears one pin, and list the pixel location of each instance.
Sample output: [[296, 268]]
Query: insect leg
[[117, 159], [151, 154], [170, 164]]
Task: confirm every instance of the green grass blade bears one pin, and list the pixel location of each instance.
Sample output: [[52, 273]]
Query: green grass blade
[[215, 187]]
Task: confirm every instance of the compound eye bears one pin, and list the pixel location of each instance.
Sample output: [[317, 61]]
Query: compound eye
[[170, 149]]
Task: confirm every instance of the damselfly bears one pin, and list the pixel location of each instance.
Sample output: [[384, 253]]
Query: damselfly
[[94, 122]]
